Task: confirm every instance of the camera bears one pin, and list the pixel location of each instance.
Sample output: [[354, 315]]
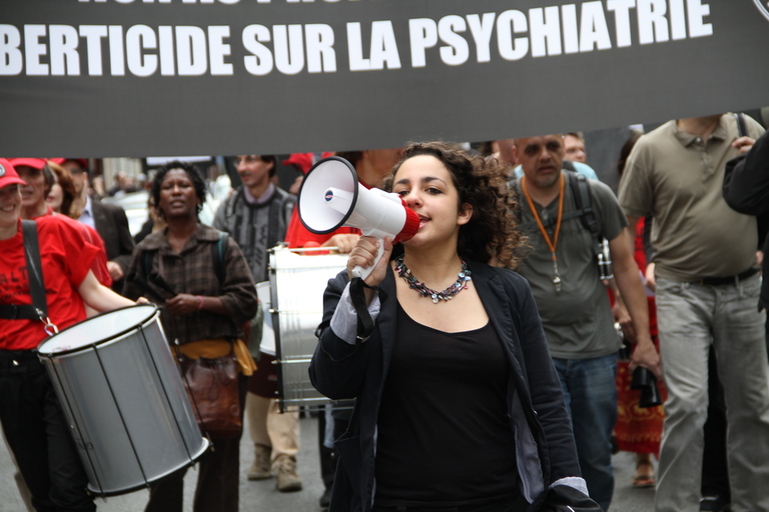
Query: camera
[[645, 381]]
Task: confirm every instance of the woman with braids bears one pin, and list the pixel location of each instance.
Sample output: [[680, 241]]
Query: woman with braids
[[458, 405]]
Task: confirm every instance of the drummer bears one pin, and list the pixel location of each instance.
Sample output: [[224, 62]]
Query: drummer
[[31, 416]]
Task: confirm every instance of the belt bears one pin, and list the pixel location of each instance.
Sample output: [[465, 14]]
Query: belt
[[720, 281], [19, 312], [12, 359]]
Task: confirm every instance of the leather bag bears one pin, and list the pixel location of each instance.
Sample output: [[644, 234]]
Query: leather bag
[[212, 385]]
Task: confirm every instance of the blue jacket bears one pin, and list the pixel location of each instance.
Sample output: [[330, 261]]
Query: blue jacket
[[545, 449]]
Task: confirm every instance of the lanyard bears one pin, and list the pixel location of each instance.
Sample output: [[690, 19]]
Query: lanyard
[[551, 244]]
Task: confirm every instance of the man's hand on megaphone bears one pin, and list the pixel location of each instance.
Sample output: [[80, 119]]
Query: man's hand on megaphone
[[344, 242], [364, 254]]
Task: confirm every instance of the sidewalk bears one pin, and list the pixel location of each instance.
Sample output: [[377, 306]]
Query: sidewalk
[[262, 497]]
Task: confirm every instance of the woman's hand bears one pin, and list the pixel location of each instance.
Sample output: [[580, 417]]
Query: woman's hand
[[183, 304], [364, 254]]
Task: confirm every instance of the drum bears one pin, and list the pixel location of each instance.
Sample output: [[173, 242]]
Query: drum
[[123, 398], [267, 344], [297, 283]]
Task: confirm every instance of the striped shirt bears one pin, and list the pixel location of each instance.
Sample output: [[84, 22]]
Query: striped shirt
[[256, 227]]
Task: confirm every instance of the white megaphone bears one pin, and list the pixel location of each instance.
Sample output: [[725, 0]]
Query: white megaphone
[[331, 197]]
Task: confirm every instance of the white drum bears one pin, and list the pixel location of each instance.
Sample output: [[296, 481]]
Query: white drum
[[297, 282], [123, 397], [267, 344]]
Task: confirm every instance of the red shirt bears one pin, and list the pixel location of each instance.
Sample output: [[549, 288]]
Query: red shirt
[[297, 235], [99, 265], [66, 259]]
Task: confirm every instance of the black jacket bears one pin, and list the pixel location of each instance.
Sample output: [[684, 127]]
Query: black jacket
[[746, 190], [111, 223], [545, 451]]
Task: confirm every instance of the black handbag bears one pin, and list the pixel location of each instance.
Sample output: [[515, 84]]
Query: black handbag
[[564, 498]]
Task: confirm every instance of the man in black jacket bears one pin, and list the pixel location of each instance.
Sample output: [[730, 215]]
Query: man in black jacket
[[108, 220], [746, 190]]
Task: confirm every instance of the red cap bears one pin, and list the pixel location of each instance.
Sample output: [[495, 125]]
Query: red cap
[[410, 227], [8, 175], [302, 161], [35, 163]]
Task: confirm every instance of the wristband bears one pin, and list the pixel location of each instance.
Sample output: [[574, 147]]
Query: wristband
[[200, 302]]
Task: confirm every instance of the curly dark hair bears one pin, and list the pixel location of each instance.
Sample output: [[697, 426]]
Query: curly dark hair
[[492, 234], [192, 172]]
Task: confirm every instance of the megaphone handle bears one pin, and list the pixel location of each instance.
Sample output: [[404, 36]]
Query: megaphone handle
[[363, 273]]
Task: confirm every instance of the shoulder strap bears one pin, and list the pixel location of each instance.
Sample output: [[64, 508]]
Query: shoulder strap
[[289, 202], [148, 257], [229, 203], [38, 310], [568, 165], [217, 251], [742, 126], [580, 189], [280, 212], [34, 266]]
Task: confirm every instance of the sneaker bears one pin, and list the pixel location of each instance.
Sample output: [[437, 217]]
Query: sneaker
[[286, 477], [260, 469], [714, 504]]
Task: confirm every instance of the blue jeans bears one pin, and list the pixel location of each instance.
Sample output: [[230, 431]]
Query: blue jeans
[[691, 318], [590, 391]]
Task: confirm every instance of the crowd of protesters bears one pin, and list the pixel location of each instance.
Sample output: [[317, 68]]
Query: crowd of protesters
[[525, 386]]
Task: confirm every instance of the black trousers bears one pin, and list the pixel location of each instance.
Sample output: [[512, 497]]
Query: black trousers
[[39, 436], [218, 477], [715, 471]]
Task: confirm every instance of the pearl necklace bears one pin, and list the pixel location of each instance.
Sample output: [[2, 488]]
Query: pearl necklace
[[447, 294]]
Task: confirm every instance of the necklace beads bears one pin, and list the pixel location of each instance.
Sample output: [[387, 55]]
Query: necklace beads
[[436, 296]]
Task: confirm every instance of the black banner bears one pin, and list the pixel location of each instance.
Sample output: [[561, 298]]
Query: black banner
[[157, 77]]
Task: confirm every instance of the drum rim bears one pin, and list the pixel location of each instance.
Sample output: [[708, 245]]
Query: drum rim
[[42, 354], [204, 447]]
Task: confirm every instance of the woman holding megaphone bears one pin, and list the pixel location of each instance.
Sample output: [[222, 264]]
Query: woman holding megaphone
[[458, 404]]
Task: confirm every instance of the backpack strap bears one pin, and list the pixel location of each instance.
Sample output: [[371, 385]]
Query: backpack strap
[[39, 308], [217, 252], [580, 189], [742, 125], [568, 165]]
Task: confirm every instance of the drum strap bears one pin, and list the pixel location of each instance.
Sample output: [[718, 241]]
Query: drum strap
[[39, 308]]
